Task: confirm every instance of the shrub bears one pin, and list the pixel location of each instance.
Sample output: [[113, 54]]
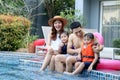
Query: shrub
[[12, 32], [116, 44]]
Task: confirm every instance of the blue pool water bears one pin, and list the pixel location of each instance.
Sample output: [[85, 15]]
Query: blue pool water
[[16, 67]]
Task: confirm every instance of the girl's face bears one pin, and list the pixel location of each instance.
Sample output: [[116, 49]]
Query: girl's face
[[64, 38], [87, 40], [58, 25]]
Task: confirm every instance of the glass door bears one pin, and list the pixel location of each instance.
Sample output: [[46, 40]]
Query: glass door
[[110, 21]]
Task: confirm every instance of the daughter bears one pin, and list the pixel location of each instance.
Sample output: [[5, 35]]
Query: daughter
[[63, 45], [63, 50]]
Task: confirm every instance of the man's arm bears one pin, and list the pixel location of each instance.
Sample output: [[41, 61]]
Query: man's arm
[[69, 46], [98, 48]]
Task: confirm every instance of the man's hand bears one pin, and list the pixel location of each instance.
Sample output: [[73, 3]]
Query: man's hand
[[96, 48]]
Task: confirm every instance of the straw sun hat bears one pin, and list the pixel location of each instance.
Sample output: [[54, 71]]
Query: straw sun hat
[[50, 22]]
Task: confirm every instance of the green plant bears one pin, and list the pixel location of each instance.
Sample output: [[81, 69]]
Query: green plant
[[71, 17], [29, 39], [32, 38], [54, 7], [13, 7], [12, 32], [116, 44]]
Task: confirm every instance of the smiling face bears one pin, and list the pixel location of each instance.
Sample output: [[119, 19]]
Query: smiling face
[[78, 32], [58, 25], [87, 40], [64, 38]]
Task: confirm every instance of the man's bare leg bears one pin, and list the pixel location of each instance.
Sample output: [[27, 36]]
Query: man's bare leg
[[78, 70], [77, 64], [69, 63], [59, 63]]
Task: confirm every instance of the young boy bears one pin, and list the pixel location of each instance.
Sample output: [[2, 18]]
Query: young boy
[[87, 58]]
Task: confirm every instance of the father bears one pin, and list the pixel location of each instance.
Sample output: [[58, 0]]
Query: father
[[75, 40]]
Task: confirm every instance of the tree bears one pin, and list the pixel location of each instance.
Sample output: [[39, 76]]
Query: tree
[[54, 7], [71, 17], [13, 7]]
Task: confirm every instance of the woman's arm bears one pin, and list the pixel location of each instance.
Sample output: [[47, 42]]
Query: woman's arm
[[49, 41]]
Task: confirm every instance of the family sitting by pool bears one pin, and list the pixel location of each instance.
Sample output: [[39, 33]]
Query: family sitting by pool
[[71, 53]]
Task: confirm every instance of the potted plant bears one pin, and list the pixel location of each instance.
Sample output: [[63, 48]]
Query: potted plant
[[30, 43], [116, 45]]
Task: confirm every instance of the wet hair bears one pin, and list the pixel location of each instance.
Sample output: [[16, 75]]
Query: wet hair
[[75, 25], [89, 35], [54, 31], [65, 32]]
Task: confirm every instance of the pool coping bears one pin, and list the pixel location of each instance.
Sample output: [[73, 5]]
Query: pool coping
[[24, 61]]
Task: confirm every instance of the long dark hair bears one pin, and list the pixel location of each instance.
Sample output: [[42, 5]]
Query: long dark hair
[[54, 31]]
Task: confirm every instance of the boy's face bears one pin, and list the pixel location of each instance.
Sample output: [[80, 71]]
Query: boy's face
[[78, 32], [87, 40]]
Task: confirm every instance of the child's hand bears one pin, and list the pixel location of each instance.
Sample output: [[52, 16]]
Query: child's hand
[[90, 68], [78, 51], [78, 58], [61, 44]]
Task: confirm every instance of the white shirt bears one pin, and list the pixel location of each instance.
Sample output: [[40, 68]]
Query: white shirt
[[55, 43]]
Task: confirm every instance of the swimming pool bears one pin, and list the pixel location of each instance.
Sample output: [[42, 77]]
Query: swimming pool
[[16, 66]]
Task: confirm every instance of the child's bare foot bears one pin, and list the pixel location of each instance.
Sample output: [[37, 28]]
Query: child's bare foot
[[68, 73], [41, 70]]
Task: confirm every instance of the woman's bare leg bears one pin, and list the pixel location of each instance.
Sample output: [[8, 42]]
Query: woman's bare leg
[[52, 63], [47, 60], [59, 63]]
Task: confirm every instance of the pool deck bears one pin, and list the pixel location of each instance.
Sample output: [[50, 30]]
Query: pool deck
[[111, 71], [108, 53]]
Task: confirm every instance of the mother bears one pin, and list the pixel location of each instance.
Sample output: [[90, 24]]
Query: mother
[[57, 23]]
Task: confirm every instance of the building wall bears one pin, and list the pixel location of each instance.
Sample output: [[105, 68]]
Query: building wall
[[91, 12]]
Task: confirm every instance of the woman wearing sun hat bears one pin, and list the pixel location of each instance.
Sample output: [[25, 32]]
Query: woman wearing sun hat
[[57, 23]]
